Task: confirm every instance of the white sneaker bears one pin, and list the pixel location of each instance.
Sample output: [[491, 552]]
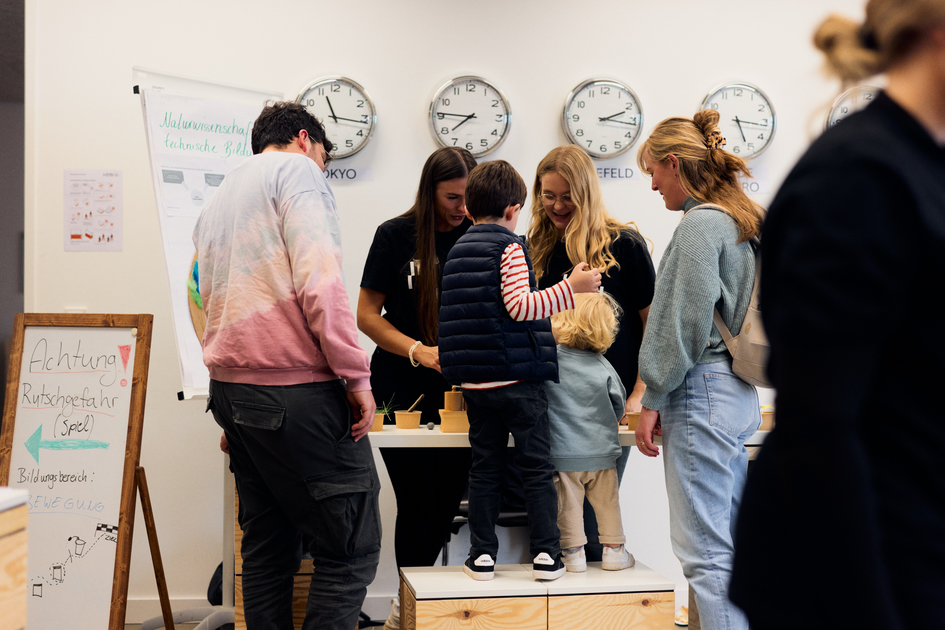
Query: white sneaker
[[574, 559], [393, 619], [616, 558]]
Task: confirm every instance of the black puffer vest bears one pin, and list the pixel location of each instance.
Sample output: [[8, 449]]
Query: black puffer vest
[[479, 341]]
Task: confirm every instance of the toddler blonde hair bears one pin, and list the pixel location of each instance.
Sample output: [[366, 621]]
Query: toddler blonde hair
[[591, 325]]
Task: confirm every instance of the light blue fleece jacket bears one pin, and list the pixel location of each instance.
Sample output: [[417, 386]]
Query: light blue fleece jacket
[[584, 408]]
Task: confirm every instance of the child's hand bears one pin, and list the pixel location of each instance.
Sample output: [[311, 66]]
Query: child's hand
[[584, 279]]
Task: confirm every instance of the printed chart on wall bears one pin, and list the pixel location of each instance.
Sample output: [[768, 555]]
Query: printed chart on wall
[[194, 141], [73, 401], [92, 206]]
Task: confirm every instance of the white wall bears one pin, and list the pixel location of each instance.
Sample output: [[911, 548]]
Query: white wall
[[81, 113]]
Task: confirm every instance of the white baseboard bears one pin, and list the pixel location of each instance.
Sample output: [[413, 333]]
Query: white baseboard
[[140, 610]]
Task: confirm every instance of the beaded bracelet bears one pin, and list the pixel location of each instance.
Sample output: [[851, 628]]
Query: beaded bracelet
[[410, 354]]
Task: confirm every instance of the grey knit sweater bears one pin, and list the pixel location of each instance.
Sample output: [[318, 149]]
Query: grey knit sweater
[[702, 268]]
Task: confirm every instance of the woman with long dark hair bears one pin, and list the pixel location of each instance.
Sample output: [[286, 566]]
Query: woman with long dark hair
[[398, 308]]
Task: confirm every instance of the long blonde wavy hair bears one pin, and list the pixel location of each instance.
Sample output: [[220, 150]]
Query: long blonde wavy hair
[[591, 230], [856, 51], [708, 175]]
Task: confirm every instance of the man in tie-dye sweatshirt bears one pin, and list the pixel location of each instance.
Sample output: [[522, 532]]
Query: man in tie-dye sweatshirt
[[289, 384]]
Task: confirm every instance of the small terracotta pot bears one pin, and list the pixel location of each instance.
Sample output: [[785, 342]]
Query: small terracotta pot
[[407, 419], [378, 422]]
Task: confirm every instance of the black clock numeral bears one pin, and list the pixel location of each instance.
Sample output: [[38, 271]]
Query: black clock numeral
[[335, 88], [495, 132], [736, 149], [714, 106], [590, 94], [751, 146], [499, 117], [455, 140], [724, 96], [575, 118], [603, 148], [867, 97], [470, 87], [617, 144], [349, 144], [445, 101], [469, 146], [483, 143], [360, 133], [737, 92], [604, 90], [456, 90], [445, 130], [761, 108], [360, 103], [580, 104], [309, 102], [495, 102], [629, 106], [579, 133], [628, 135], [364, 117], [589, 142], [761, 136]]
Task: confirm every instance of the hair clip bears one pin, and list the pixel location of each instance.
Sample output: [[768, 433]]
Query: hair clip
[[714, 140], [868, 38]]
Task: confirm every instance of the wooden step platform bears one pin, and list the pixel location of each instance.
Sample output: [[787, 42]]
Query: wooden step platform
[[445, 598]]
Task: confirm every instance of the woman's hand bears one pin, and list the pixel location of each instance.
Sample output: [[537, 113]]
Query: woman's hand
[[648, 426], [635, 400], [584, 279], [428, 356]]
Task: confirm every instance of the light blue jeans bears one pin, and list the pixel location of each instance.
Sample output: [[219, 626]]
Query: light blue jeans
[[706, 422]]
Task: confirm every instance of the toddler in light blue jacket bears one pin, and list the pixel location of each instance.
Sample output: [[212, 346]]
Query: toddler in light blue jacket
[[584, 409]]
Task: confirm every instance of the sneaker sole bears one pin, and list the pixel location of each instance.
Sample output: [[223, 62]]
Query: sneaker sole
[[617, 566], [480, 576], [576, 568], [548, 575]]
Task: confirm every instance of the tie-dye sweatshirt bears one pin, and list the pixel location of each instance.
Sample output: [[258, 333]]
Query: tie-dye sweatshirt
[[269, 251]]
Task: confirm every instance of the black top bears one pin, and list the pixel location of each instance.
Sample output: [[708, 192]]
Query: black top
[[387, 270], [848, 493], [631, 286]]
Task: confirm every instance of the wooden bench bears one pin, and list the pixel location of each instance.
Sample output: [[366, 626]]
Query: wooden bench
[[444, 598]]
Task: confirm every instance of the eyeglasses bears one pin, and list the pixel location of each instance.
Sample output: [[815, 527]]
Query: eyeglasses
[[551, 200], [328, 158]]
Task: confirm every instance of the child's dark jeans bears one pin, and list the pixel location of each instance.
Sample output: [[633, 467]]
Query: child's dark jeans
[[522, 410]]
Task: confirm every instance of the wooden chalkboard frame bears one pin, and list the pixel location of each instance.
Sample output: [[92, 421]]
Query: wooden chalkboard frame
[[139, 386]]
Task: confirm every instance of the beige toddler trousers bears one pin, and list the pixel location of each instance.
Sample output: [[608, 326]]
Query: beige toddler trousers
[[601, 489]]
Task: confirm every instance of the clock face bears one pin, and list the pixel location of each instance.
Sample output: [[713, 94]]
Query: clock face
[[345, 109], [472, 113], [603, 117], [747, 119], [853, 100]]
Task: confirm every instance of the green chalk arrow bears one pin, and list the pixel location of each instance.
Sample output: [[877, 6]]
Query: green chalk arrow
[[37, 442]]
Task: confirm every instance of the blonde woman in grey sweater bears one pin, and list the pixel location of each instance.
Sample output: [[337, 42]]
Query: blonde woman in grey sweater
[[703, 411]]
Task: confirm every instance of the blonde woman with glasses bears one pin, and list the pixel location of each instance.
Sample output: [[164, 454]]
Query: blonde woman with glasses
[[570, 225]]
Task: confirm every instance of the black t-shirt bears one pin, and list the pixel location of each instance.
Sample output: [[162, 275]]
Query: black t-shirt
[[631, 286], [387, 270]]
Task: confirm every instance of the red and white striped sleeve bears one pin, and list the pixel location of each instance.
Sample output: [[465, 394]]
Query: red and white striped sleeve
[[523, 304]]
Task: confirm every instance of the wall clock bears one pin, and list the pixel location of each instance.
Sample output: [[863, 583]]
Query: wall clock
[[472, 113], [747, 119], [603, 117], [346, 110], [851, 101]]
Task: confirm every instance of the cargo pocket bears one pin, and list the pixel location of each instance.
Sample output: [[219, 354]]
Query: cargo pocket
[[258, 416], [347, 520]]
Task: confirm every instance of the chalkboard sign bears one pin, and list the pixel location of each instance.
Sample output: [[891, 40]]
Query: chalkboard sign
[[71, 436]]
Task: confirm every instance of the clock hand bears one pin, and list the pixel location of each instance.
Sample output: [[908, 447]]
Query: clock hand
[[337, 118], [439, 115], [739, 123], [463, 120], [611, 116], [332, 109], [748, 122], [622, 122]]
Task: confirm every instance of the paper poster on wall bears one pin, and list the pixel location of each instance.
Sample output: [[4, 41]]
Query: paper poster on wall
[[68, 451], [193, 142], [92, 211]]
